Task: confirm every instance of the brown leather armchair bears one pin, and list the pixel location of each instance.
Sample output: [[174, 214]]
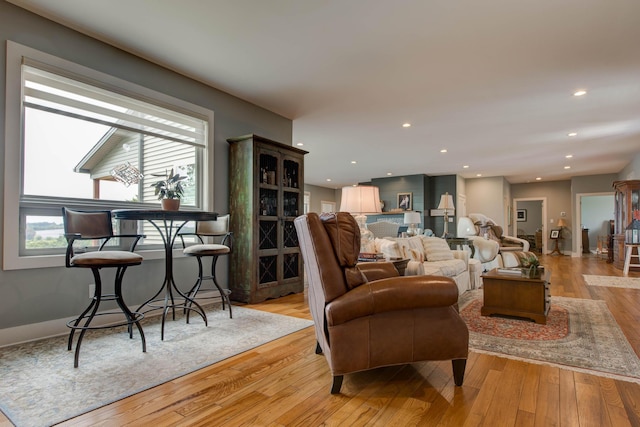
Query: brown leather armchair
[[367, 316]]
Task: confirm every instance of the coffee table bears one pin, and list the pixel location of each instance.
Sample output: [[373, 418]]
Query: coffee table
[[517, 295]]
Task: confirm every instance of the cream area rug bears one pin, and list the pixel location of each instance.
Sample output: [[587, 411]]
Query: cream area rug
[[612, 281], [40, 387], [580, 335]]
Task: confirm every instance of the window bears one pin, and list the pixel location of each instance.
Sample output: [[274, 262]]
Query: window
[[90, 141]]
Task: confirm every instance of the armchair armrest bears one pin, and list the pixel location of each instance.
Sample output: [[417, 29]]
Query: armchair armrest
[[377, 270], [517, 241], [463, 255], [486, 250], [397, 293]]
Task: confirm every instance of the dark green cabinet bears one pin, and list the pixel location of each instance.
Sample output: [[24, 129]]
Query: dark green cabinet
[[265, 196]]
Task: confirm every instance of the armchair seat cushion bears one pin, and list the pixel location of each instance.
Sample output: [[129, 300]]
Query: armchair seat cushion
[[392, 294]]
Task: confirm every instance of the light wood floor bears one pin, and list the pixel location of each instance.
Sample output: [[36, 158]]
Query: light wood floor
[[284, 383]]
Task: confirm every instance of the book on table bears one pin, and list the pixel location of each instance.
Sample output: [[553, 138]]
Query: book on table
[[370, 256]]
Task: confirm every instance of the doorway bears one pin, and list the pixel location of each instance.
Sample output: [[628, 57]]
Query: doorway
[[529, 219], [593, 212]]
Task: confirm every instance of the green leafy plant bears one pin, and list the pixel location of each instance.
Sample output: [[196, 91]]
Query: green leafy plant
[[533, 263], [170, 187]]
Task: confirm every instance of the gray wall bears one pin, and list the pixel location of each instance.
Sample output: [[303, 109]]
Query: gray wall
[[319, 194], [39, 295], [534, 216], [486, 196]]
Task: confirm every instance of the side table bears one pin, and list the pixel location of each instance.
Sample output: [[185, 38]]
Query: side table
[[454, 242]]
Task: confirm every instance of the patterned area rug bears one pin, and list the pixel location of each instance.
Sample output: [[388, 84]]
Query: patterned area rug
[[612, 281], [40, 387], [590, 341]]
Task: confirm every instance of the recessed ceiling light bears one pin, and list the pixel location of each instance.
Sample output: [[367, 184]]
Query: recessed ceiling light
[[444, 150], [479, 174], [406, 125], [572, 134], [299, 144], [567, 167], [569, 156], [580, 92], [465, 167], [389, 173], [353, 162], [328, 179], [538, 178]]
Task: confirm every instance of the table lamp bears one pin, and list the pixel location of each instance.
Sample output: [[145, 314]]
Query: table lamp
[[360, 200], [561, 223], [412, 218], [446, 204]]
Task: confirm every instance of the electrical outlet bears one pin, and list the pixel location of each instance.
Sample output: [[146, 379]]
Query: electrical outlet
[[92, 290]]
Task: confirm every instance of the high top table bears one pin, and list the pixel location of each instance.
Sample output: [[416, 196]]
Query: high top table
[[168, 224]]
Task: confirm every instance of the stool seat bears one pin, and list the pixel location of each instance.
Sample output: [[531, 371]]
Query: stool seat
[[206, 250], [105, 259]]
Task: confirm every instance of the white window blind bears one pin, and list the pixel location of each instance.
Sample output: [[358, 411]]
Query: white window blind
[[45, 90]]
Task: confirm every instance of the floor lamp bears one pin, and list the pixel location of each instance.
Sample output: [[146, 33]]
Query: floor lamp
[[446, 204], [358, 201]]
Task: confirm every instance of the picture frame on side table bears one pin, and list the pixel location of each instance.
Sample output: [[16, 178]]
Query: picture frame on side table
[[521, 215], [555, 234], [405, 201]]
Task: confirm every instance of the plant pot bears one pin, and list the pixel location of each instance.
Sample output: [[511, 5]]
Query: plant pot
[[170, 204]]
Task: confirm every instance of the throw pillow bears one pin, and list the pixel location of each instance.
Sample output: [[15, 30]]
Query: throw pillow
[[436, 249], [413, 254], [389, 248]]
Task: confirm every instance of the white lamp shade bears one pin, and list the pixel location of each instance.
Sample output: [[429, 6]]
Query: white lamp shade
[[446, 202], [360, 200], [412, 218]]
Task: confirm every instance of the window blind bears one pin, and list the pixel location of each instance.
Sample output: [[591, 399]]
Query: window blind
[[48, 91]]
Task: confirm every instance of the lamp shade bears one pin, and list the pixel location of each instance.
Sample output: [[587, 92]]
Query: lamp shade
[[412, 218], [446, 202], [562, 222], [360, 200]]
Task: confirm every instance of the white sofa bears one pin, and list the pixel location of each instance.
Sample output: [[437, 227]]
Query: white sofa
[[429, 256]]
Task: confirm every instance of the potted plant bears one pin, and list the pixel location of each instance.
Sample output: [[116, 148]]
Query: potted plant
[[169, 189]]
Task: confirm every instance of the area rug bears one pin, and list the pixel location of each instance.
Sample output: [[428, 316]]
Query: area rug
[[580, 335], [40, 387], [612, 281]]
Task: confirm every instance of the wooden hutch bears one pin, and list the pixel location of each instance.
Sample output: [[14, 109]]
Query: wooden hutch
[[627, 200], [266, 194]]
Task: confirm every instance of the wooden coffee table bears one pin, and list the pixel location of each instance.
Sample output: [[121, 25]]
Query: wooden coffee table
[[518, 296]]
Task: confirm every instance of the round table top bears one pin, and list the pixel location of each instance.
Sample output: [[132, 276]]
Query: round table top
[[150, 214]]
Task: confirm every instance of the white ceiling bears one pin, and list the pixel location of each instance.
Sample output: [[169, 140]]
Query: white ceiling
[[490, 81]]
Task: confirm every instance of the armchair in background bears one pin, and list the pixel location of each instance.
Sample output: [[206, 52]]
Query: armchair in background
[[486, 251], [371, 317], [486, 227]]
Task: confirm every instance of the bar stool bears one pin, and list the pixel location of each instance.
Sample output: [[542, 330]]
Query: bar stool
[[628, 255], [97, 226], [213, 230]]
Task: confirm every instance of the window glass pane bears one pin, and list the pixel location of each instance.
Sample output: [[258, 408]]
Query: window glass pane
[[43, 232]]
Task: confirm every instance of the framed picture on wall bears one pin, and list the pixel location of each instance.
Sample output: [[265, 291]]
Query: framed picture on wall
[[521, 215], [405, 201]]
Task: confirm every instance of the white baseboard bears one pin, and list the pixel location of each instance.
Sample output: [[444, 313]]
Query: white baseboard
[[57, 327]]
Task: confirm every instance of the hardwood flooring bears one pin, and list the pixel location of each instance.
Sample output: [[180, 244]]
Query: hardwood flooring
[[284, 383]]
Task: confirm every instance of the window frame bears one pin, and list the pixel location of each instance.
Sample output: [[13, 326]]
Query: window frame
[[13, 223]]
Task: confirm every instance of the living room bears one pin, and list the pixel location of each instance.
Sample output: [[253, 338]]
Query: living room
[[36, 299]]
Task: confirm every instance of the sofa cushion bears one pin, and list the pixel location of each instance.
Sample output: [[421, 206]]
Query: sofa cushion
[[389, 248], [436, 249]]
